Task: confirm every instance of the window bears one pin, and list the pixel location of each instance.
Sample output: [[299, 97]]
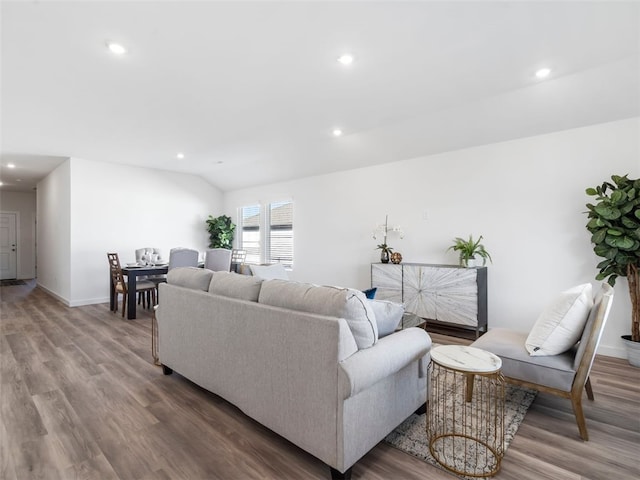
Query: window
[[281, 234], [250, 238], [276, 245]]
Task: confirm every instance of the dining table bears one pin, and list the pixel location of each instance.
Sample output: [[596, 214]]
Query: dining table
[[132, 274]]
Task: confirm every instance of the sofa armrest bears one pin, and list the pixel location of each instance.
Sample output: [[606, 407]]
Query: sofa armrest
[[388, 356]]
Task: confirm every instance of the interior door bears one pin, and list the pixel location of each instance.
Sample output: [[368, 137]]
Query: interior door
[[8, 249]]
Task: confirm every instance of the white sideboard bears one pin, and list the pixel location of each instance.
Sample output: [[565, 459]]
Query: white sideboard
[[446, 294]]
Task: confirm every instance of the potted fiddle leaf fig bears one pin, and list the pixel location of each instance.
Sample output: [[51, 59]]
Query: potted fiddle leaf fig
[[470, 251], [614, 223], [221, 230]]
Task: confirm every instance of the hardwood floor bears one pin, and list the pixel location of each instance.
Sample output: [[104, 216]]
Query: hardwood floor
[[80, 398]]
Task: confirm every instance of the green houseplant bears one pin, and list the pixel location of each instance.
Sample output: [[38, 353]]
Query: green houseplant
[[469, 249], [221, 230], [614, 223]]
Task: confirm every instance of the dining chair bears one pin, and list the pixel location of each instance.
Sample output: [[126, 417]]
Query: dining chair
[[120, 284], [142, 256], [183, 257], [566, 374], [217, 259]]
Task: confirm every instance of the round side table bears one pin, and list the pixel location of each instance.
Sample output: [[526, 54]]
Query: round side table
[[466, 410]]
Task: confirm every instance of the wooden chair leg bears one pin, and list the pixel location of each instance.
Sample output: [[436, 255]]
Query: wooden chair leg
[[469, 393], [587, 387], [576, 403]]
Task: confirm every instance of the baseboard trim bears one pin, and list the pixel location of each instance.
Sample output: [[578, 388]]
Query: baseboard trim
[[609, 351], [74, 303]]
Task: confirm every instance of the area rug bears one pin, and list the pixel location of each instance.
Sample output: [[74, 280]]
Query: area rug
[[411, 435], [11, 283]]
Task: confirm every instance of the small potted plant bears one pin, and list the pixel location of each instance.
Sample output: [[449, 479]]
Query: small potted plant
[[614, 223], [470, 251], [385, 250]]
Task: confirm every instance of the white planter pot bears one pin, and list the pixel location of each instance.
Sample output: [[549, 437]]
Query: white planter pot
[[474, 262], [633, 350]]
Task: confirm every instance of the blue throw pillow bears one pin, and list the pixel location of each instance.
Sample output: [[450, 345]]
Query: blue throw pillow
[[370, 293]]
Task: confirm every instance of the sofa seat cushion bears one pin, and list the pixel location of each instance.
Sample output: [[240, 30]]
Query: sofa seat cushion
[[234, 285], [190, 277], [555, 371], [350, 304]]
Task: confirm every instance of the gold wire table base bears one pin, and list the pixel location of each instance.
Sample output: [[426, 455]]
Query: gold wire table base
[[466, 435]]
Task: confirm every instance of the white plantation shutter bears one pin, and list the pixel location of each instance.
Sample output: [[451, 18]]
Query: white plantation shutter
[[250, 239], [280, 226]]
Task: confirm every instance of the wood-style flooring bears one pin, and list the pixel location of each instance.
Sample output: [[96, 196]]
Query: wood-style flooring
[[80, 398]]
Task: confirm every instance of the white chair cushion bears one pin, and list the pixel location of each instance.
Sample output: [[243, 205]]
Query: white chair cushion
[[388, 316], [270, 272], [560, 325], [555, 371]]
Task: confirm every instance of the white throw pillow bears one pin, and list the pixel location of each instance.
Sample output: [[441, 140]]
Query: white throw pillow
[[270, 272], [560, 325], [388, 316]]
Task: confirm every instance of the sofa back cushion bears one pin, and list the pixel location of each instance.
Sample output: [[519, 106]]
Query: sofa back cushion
[[235, 285], [190, 277], [352, 305]]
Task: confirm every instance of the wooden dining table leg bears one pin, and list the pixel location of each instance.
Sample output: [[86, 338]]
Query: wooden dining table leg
[[131, 286]]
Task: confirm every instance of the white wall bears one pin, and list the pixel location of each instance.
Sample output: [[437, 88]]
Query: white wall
[[53, 232], [118, 208], [526, 197], [24, 204]]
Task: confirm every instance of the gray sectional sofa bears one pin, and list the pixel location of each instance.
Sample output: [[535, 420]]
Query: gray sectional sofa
[[306, 361]]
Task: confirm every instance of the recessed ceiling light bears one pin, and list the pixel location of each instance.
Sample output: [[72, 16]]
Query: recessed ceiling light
[[1, 184], [346, 59], [180, 155], [336, 132], [11, 165], [543, 73], [116, 48]]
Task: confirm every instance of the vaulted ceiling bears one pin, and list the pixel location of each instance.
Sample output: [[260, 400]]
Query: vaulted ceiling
[[250, 92]]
